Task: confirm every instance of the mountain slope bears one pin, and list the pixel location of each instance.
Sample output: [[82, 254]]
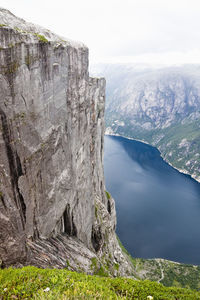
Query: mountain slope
[[159, 106]]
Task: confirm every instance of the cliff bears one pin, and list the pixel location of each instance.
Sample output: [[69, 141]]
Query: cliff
[[53, 208]]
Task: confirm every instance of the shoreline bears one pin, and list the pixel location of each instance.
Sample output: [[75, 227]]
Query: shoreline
[[182, 171]]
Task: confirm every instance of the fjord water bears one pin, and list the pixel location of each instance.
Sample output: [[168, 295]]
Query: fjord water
[[158, 208]]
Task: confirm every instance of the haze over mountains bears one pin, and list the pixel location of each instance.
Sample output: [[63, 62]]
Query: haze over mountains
[[159, 105]]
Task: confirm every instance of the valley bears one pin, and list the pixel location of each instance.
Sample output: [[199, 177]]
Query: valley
[[160, 106]]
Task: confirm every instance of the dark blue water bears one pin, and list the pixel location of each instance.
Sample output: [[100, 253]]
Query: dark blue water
[[158, 208]]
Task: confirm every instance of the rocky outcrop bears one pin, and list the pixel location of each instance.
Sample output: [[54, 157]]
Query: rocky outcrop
[[53, 207]]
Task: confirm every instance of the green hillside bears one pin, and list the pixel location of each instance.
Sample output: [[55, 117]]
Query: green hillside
[[179, 143], [34, 283]]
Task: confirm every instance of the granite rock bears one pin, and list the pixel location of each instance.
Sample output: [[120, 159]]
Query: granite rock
[[53, 208]]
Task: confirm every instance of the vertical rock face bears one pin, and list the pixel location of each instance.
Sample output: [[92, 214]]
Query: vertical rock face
[[53, 207]]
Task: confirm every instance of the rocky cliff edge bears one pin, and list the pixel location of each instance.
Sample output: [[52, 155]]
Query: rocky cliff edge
[[53, 208]]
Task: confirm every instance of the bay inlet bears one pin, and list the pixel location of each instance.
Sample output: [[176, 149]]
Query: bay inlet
[[158, 208]]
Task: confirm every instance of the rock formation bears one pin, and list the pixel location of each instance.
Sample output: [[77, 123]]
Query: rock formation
[[53, 208]]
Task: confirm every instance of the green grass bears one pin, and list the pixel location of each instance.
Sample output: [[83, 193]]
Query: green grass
[[41, 38], [34, 283], [108, 195], [181, 275]]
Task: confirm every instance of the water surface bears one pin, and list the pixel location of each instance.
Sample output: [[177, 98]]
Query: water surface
[[158, 208]]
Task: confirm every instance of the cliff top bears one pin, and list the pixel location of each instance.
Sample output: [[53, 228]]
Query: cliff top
[[8, 20]]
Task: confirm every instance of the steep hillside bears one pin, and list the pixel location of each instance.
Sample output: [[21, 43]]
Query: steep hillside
[[160, 106]]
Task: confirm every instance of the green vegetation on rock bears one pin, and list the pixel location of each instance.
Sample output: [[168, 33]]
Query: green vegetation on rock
[[108, 195], [34, 283], [41, 38], [9, 69]]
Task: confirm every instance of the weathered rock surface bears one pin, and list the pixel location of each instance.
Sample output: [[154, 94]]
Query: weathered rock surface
[[53, 207]]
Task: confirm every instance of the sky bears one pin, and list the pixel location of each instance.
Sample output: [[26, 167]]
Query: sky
[[141, 31]]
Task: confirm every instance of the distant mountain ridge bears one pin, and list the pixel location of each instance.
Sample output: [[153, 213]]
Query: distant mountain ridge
[[160, 106]]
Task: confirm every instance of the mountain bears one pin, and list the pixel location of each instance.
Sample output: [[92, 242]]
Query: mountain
[[160, 106], [54, 211]]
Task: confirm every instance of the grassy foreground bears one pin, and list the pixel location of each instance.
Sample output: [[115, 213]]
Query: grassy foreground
[[34, 283]]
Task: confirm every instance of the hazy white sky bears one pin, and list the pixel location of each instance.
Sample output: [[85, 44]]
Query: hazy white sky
[[162, 31]]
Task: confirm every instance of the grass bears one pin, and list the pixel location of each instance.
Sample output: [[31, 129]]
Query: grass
[[108, 195], [181, 275], [41, 38], [35, 283]]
